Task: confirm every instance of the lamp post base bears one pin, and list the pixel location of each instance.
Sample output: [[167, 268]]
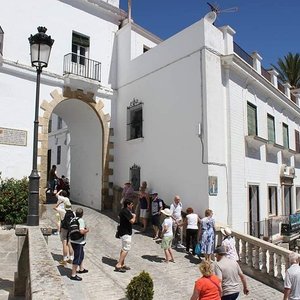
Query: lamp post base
[[33, 200]]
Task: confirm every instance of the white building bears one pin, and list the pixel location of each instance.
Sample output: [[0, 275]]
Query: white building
[[193, 115]]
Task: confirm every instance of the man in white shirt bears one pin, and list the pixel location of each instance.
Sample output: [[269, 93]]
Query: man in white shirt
[[176, 208], [292, 279]]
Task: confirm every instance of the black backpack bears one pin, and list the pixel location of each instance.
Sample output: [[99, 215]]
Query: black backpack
[[164, 205], [74, 231], [65, 223]]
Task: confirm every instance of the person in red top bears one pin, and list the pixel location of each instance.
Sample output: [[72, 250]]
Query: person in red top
[[208, 287]]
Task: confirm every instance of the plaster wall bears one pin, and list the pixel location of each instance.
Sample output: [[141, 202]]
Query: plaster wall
[[60, 20]]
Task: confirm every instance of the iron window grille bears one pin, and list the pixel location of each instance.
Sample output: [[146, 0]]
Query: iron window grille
[[135, 120]]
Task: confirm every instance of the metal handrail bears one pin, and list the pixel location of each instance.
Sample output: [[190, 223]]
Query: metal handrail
[[242, 54], [82, 66]]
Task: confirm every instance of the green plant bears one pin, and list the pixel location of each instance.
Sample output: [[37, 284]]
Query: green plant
[[13, 200], [140, 287]]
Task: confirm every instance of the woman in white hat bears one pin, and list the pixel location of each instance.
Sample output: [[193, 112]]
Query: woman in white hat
[[229, 244], [167, 233]]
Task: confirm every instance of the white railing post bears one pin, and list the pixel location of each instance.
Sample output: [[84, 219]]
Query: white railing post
[[264, 261]]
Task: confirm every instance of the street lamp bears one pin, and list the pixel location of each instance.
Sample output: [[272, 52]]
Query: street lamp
[[40, 48]]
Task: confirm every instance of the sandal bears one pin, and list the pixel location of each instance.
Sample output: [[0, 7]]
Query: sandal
[[121, 270], [126, 268]]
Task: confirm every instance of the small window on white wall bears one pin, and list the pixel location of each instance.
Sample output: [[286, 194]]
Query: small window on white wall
[[59, 123], [135, 120], [297, 198], [272, 194]]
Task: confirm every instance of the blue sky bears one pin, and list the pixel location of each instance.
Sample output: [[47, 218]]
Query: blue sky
[[270, 27]]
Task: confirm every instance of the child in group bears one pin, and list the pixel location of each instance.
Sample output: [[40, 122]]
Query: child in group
[[167, 233]]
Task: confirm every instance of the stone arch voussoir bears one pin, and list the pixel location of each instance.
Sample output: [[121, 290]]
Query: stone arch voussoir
[[47, 108]]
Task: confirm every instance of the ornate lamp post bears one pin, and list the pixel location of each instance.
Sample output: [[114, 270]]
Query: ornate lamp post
[[40, 48]]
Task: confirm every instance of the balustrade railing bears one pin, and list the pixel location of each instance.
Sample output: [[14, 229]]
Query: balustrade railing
[[82, 66], [261, 260]]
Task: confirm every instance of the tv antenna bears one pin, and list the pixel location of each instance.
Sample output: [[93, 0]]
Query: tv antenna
[[215, 8]]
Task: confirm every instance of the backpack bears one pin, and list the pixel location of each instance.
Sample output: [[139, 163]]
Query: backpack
[[164, 205], [69, 215], [74, 231]]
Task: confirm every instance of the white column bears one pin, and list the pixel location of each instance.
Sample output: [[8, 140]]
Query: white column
[[228, 33], [274, 75], [287, 89], [256, 62]]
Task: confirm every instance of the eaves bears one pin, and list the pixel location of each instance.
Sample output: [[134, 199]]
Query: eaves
[[238, 65]]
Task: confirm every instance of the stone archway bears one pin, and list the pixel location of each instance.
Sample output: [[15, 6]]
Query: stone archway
[[47, 108]]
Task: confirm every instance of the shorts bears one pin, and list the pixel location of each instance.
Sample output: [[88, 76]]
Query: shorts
[[155, 220], [63, 234], [126, 242], [78, 253], [144, 213], [166, 242]]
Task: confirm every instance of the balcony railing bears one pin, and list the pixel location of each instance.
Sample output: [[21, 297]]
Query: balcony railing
[[1, 40], [242, 54], [82, 66], [265, 74]]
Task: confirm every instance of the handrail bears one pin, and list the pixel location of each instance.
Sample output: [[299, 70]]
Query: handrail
[[261, 260], [82, 66], [243, 54]]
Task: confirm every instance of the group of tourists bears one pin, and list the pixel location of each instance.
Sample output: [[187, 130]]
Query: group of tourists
[[220, 279], [72, 230], [56, 183], [221, 276]]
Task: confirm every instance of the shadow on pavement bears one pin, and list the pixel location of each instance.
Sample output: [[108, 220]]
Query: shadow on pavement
[[65, 271], [109, 261], [193, 259], [153, 258]]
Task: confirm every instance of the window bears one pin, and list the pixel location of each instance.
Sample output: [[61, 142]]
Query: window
[[135, 120], [285, 135], [59, 123], [272, 194], [297, 198], [135, 177], [297, 141], [252, 119], [1, 39], [80, 46], [145, 48], [58, 157], [271, 129], [50, 125]]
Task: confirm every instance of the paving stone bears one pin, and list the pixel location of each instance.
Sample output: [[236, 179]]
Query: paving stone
[[171, 281]]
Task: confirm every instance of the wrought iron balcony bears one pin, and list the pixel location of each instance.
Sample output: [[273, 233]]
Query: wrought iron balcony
[[82, 66], [1, 40]]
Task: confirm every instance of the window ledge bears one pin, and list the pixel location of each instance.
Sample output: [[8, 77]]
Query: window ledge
[[137, 140], [273, 147], [255, 140], [288, 152]]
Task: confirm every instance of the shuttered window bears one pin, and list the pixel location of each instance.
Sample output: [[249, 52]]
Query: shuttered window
[[285, 135], [271, 129], [252, 119], [297, 141]]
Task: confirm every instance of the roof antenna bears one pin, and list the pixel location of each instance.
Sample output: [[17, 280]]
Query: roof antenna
[[129, 11], [218, 10]]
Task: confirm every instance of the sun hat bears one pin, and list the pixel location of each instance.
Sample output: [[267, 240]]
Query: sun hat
[[220, 250], [226, 231], [167, 212]]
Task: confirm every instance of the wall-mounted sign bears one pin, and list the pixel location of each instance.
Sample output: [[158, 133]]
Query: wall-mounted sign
[[213, 185], [16, 137]]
